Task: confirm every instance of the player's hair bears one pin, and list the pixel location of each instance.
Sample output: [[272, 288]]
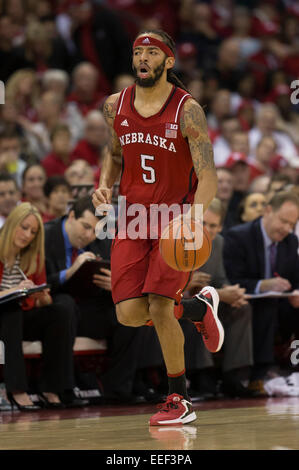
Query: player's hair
[[171, 76]]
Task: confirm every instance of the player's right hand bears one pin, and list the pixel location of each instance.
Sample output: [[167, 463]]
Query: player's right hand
[[102, 195]]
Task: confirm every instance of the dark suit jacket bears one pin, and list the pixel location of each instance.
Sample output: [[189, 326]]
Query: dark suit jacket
[[214, 266], [55, 251], [244, 256]]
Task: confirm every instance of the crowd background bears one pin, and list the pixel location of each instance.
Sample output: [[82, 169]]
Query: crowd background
[[60, 59]]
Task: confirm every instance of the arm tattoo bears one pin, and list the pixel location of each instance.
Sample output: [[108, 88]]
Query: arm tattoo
[[194, 127], [109, 111]]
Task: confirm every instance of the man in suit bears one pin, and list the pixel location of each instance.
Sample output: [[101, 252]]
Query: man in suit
[[70, 240], [234, 313], [262, 256]]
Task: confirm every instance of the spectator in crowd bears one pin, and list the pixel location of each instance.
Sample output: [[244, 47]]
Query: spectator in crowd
[[50, 113], [252, 206], [228, 69], [39, 317], [238, 164], [9, 118], [122, 81], [242, 24], [9, 195], [278, 182], [201, 34], [235, 315], [219, 109], [58, 193], [84, 93], [95, 138], [10, 155], [187, 60], [260, 184], [60, 158], [240, 142], [222, 144], [76, 233], [264, 153], [246, 108], [34, 178], [99, 38], [288, 119], [22, 89], [80, 172], [261, 256], [196, 89], [41, 52], [8, 57], [135, 13], [225, 193], [55, 80], [266, 125], [18, 13], [49, 110], [225, 186], [265, 61], [286, 166]]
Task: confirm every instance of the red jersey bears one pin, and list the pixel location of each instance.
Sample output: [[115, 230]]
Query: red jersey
[[157, 163]]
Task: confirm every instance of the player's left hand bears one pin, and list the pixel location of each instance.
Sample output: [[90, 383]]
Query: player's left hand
[[103, 280]]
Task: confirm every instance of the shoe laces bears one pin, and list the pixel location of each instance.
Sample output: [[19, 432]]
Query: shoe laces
[[203, 329], [171, 403]]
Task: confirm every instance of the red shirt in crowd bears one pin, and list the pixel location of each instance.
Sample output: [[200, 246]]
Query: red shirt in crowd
[[84, 107], [53, 165], [84, 150]]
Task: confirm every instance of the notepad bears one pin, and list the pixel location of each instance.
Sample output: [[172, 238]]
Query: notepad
[[19, 293], [81, 282]]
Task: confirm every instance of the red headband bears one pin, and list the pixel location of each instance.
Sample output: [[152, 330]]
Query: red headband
[[150, 41]]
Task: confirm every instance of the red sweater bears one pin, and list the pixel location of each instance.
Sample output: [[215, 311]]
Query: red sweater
[[53, 165], [87, 152], [28, 303]]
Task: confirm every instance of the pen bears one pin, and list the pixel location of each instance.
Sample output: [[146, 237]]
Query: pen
[[23, 275]]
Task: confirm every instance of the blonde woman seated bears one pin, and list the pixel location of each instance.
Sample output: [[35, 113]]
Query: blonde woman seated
[[37, 317]]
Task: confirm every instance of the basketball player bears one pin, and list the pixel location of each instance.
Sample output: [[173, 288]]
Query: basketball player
[[159, 142]]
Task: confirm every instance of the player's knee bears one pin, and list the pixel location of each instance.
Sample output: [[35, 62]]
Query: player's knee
[[161, 309], [129, 317]]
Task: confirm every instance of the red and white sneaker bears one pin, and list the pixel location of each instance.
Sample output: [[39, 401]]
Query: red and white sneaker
[[176, 410], [210, 327]]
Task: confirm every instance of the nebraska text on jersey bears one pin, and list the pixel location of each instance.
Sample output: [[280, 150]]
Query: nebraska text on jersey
[[142, 138]]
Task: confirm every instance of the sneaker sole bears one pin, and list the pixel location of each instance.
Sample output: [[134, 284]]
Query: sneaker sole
[[215, 297], [188, 419]]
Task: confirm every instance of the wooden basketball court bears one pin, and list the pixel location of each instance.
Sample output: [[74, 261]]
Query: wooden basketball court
[[261, 424]]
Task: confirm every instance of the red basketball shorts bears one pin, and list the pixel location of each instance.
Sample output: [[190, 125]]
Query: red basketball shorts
[[138, 269]]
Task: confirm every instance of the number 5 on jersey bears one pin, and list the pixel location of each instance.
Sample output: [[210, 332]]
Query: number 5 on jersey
[[150, 175]]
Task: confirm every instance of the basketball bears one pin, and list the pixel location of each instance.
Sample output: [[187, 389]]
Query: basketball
[[179, 246]]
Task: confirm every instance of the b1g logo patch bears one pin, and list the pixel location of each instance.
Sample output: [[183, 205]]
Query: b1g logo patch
[[171, 131]]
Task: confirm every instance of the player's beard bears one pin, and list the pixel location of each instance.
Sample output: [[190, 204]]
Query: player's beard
[[150, 81]]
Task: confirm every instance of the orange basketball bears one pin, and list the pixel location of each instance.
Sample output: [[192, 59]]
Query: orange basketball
[[182, 246]]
